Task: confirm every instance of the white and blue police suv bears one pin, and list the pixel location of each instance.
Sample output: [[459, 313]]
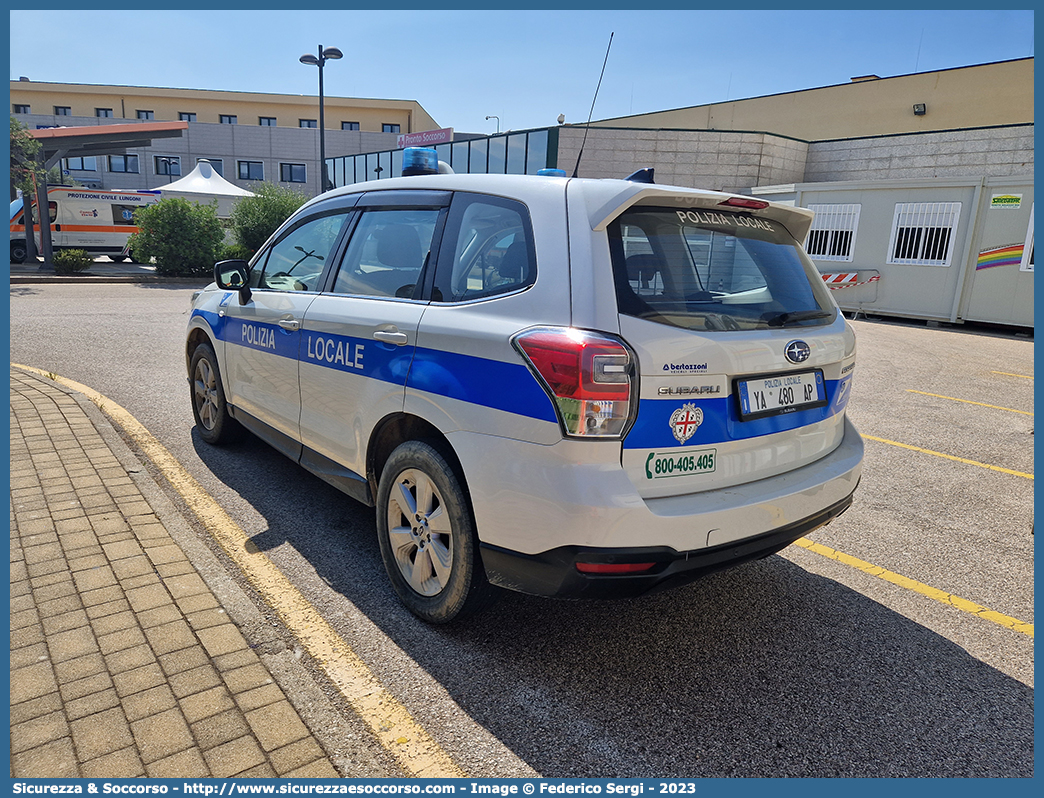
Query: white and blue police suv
[[562, 386]]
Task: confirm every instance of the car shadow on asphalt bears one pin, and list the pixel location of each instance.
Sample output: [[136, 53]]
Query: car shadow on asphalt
[[765, 670]]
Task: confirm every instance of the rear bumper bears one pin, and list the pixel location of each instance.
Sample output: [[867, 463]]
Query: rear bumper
[[541, 510], [554, 573]]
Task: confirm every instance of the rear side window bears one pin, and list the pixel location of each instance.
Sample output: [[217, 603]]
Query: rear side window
[[387, 252], [709, 270], [488, 250]]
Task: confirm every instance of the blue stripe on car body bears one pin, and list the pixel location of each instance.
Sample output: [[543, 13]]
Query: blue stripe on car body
[[504, 386], [510, 387]]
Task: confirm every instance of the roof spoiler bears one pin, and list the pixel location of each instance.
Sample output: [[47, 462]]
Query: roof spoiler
[[796, 220]]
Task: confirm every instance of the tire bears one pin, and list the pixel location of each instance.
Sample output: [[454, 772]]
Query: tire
[[215, 424], [19, 252], [427, 536], [118, 258]]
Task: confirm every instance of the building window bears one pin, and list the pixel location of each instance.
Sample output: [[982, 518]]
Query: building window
[[216, 164], [123, 163], [251, 170], [168, 165], [20, 109], [306, 123], [386, 128], [62, 110], [344, 125], [266, 121], [922, 233], [184, 116], [82, 164], [1027, 250], [229, 119], [292, 173], [146, 115], [105, 112], [832, 235]]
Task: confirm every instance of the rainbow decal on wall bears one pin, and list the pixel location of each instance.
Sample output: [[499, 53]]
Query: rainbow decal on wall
[[1009, 255]]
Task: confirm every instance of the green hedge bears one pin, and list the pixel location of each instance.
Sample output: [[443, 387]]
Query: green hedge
[[183, 238], [69, 261], [255, 218]]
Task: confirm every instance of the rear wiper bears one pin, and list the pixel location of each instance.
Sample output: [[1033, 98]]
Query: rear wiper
[[783, 319]]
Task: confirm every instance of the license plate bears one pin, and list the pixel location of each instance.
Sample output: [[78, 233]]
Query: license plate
[[780, 393], [682, 463]]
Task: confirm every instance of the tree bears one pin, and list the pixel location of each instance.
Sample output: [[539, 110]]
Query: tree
[[183, 237], [25, 150], [55, 177], [24, 153], [255, 218]]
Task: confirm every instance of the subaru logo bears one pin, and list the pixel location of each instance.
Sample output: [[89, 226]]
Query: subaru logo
[[797, 351]]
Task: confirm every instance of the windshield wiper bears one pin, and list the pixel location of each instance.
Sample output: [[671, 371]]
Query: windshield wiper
[[783, 319]]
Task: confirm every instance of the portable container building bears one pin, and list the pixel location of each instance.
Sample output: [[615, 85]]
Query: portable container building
[[954, 249]]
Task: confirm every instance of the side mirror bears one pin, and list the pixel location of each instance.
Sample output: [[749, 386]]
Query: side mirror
[[232, 275]]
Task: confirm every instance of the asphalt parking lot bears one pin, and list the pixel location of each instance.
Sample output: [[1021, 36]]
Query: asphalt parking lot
[[900, 645], [946, 496]]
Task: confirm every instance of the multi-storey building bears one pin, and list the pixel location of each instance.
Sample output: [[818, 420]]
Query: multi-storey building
[[246, 136]]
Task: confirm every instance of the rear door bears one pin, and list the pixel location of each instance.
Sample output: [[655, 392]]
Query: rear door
[[466, 373], [359, 337], [740, 349]]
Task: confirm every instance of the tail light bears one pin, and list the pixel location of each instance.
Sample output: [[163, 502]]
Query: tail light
[[614, 569], [590, 377]]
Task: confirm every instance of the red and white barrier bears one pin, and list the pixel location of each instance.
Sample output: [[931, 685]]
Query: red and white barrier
[[846, 280]]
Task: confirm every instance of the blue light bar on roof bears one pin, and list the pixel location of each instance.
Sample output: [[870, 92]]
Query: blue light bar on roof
[[419, 161]]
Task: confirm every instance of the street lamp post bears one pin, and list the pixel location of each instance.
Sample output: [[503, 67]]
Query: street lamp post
[[168, 162], [494, 116], [328, 54]]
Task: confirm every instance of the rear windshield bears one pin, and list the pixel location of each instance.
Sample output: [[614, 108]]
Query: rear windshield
[[711, 270]]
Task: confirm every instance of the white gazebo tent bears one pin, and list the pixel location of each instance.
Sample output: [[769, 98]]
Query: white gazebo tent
[[203, 184]]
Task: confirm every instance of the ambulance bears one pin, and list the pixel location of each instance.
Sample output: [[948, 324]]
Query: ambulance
[[99, 222], [560, 386]]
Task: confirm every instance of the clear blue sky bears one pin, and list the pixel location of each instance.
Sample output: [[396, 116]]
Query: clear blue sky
[[526, 67]]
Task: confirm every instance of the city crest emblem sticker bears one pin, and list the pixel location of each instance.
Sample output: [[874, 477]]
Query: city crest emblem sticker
[[685, 421]]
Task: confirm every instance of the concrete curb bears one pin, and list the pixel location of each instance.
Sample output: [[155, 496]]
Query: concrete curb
[[102, 279]]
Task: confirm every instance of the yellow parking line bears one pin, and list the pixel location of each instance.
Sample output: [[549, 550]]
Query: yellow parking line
[[918, 587], [391, 723], [1009, 374], [949, 457], [969, 402]]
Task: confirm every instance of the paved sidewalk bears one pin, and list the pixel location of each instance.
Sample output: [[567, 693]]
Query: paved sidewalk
[[123, 662]]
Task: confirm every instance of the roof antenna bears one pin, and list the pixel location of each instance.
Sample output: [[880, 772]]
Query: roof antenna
[[588, 126]]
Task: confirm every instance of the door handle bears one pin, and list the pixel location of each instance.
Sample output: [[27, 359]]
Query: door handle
[[290, 324], [391, 337]]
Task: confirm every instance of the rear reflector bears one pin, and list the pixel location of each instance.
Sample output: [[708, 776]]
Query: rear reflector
[[589, 376], [742, 202], [613, 568]]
